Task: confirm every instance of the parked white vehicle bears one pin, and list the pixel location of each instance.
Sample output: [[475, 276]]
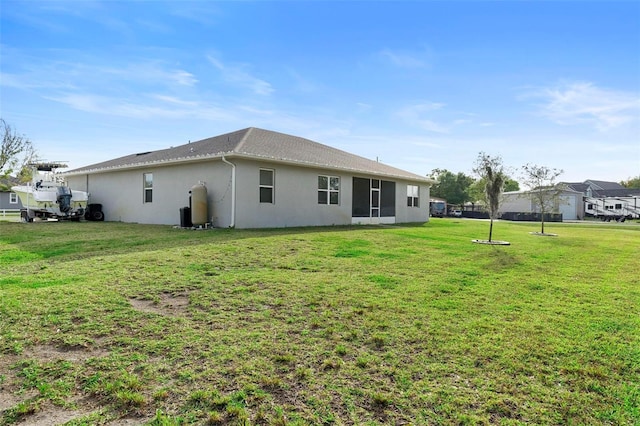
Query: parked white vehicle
[[48, 197]]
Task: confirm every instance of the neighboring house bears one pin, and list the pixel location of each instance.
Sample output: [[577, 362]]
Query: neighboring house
[[608, 199], [9, 200], [255, 178], [569, 203]]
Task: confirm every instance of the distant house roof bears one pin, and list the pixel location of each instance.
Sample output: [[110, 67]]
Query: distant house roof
[[603, 185], [8, 182], [603, 189], [563, 188], [258, 144], [578, 186]]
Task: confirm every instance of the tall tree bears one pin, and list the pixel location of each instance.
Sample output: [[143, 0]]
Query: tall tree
[[511, 185], [631, 183], [543, 190], [16, 151], [491, 170], [476, 190], [452, 187]]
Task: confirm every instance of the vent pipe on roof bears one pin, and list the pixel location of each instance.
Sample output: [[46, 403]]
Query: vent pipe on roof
[[233, 192]]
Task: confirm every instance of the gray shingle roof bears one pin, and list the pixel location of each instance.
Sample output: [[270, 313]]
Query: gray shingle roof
[[577, 186], [602, 189], [257, 144]]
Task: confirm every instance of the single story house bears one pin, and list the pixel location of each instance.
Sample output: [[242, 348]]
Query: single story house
[[569, 203], [255, 178], [9, 200]]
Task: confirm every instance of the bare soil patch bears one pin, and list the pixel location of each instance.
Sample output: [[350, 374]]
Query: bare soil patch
[[129, 422], [169, 304], [47, 353], [51, 416], [10, 394]]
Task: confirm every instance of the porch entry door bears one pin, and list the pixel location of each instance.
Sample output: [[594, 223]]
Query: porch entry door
[[373, 198]]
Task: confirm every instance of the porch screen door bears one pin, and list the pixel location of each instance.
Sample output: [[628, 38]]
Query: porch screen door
[[373, 198]]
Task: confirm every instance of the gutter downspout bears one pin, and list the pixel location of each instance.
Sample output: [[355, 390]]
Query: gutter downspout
[[233, 191]]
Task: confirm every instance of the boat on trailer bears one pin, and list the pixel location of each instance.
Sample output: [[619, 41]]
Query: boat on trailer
[[47, 196]]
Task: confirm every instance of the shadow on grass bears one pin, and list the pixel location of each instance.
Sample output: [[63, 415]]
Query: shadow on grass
[[65, 241]]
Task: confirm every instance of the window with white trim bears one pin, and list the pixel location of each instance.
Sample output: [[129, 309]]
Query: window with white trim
[[413, 199], [267, 185], [147, 185], [13, 198], [328, 190]]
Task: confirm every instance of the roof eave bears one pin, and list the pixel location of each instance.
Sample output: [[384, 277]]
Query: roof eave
[[231, 154], [144, 164], [313, 165]]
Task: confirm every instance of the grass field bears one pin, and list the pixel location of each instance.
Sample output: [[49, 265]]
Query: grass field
[[110, 323]]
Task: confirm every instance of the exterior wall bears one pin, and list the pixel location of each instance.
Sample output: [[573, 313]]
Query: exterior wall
[[295, 195], [5, 201], [569, 204], [515, 202], [405, 214], [121, 192]]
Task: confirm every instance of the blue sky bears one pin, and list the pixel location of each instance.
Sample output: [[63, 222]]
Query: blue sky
[[418, 85]]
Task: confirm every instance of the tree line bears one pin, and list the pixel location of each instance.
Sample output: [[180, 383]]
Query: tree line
[[460, 188]]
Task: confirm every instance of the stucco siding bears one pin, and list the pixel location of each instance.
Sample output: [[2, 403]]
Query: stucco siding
[[295, 201], [122, 196], [296, 198], [295, 195]]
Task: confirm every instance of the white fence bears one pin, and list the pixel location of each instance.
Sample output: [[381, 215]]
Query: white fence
[[8, 212]]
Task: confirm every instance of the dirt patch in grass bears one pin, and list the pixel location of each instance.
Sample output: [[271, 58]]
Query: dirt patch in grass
[[8, 399], [11, 396], [51, 416], [129, 421], [166, 304], [46, 353]]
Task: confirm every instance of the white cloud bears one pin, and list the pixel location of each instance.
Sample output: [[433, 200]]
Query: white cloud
[[406, 59], [183, 78], [363, 107], [174, 100], [583, 102], [124, 108], [82, 73], [236, 74], [418, 115], [300, 83]]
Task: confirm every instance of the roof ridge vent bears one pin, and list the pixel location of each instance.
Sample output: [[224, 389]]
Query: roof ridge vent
[[143, 153]]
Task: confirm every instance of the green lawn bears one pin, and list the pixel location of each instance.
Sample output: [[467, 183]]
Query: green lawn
[[345, 325]]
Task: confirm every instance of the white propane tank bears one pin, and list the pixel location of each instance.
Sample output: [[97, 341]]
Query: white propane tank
[[199, 209]]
